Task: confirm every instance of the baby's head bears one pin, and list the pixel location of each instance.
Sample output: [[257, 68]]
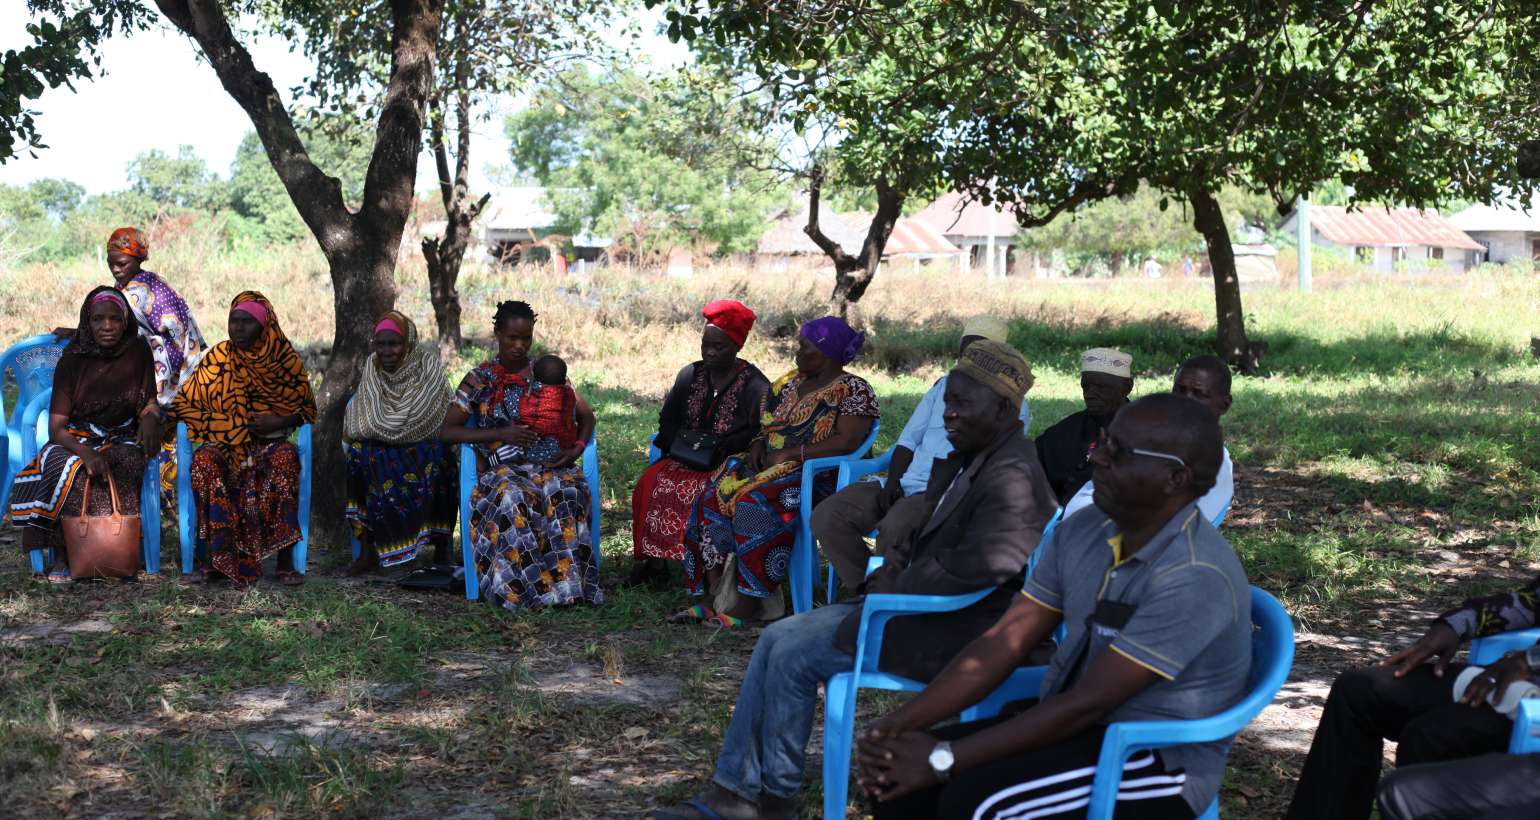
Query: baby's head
[[550, 370]]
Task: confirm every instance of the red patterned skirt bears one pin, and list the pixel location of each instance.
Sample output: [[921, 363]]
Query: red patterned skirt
[[660, 505]]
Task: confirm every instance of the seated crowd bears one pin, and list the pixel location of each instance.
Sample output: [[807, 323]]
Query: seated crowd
[[1116, 509]]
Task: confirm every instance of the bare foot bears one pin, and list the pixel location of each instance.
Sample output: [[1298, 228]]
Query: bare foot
[[364, 564]]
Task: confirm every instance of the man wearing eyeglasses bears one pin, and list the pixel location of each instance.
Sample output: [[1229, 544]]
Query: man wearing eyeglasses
[[1206, 380], [1157, 609]]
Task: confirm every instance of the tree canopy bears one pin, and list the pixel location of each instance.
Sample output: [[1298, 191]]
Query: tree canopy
[[1049, 108], [654, 163]]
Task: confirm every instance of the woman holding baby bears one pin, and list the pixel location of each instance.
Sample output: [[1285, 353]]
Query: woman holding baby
[[529, 508]]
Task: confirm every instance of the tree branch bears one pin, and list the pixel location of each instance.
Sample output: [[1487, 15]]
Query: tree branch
[[813, 231], [316, 195]]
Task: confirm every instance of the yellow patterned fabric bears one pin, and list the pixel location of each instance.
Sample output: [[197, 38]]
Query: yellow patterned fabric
[[791, 419], [231, 386]]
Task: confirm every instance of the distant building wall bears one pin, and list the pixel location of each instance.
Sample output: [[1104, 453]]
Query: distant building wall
[[1507, 246]]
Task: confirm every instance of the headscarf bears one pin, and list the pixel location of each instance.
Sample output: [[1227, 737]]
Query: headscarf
[[834, 338], [84, 343], [231, 385], [999, 367], [105, 386], [731, 317], [129, 242], [254, 309], [401, 406], [1106, 360]]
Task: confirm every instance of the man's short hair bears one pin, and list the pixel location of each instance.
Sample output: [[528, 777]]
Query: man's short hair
[[1185, 428], [1212, 365]]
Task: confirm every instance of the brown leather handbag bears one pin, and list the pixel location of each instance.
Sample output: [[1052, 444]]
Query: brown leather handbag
[[102, 546]]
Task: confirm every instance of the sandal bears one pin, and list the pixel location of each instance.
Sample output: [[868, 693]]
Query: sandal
[[290, 578], [721, 620], [694, 615], [59, 577]]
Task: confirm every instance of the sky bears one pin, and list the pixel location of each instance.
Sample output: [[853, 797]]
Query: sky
[[158, 93]]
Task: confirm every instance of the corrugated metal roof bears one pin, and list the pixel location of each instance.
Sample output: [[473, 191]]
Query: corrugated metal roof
[[1484, 218], [1388, 226], [915, 236], [518, 209], [951, 215], [785, 234]]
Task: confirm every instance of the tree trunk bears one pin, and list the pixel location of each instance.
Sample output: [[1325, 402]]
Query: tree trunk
[[445, 254], [1209, 220], [360, 247], [854, 274]]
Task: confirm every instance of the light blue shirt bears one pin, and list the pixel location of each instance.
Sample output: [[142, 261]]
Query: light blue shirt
[[925, 434]]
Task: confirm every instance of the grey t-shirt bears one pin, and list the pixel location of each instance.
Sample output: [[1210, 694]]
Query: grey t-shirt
[[1191, 625]]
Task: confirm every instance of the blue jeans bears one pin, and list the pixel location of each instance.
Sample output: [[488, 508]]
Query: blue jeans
[[766, 742]]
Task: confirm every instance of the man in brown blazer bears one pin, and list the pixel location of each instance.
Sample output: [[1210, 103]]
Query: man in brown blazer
[[990, 502]]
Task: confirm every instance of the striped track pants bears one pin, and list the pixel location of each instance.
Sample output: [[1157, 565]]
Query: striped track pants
[[1052, 783]]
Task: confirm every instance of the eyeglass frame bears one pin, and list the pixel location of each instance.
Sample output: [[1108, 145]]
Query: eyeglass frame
[[1104, 438]]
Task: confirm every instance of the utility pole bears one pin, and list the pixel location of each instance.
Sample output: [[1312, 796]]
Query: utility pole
[[1302, 232]]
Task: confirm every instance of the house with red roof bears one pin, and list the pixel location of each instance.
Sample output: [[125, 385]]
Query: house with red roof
[[986, 232], [1392, 239]]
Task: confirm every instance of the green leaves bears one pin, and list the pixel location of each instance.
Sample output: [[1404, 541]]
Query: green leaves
[[654, 164]]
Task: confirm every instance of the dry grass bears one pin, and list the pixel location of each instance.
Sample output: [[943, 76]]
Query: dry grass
[[1386, 466]]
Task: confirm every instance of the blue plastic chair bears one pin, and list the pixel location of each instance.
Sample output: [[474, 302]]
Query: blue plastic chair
[[840, 690], [149, 490], [31, 362], [468, 482], [804, 551], [1272, 656], [185, 511], [1526, 722]]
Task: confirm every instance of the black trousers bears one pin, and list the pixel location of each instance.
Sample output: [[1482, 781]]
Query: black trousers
[[1489, 787], [1367, 707], [1053, 782]]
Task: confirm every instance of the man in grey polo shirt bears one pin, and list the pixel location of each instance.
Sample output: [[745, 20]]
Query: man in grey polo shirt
[[1158, 615]]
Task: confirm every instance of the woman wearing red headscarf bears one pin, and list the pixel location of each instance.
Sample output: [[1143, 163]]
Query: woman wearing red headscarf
[[713, 403]]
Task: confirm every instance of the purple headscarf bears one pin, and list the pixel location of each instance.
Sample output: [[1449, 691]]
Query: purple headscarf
[[834, 338]]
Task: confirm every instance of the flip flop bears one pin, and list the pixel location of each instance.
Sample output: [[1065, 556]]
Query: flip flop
[[702, 812], [59, 577], [693, 615], [722, 620], [290, 578]]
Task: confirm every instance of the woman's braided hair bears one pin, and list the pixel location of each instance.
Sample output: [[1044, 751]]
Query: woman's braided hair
[[512, 309]]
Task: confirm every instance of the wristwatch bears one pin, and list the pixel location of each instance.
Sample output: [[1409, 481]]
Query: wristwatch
[[941, 760]]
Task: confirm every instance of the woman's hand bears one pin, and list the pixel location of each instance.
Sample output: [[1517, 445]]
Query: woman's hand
[[95, 464], [568, 457], [1439, 643], [893, 766], [515, 434], [267, 425], [775, 457], [754, 460], [1494, 682], [150, 438]]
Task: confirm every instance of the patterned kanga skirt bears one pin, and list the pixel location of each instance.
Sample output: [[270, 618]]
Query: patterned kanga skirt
[[403, 496], [529, 532]]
